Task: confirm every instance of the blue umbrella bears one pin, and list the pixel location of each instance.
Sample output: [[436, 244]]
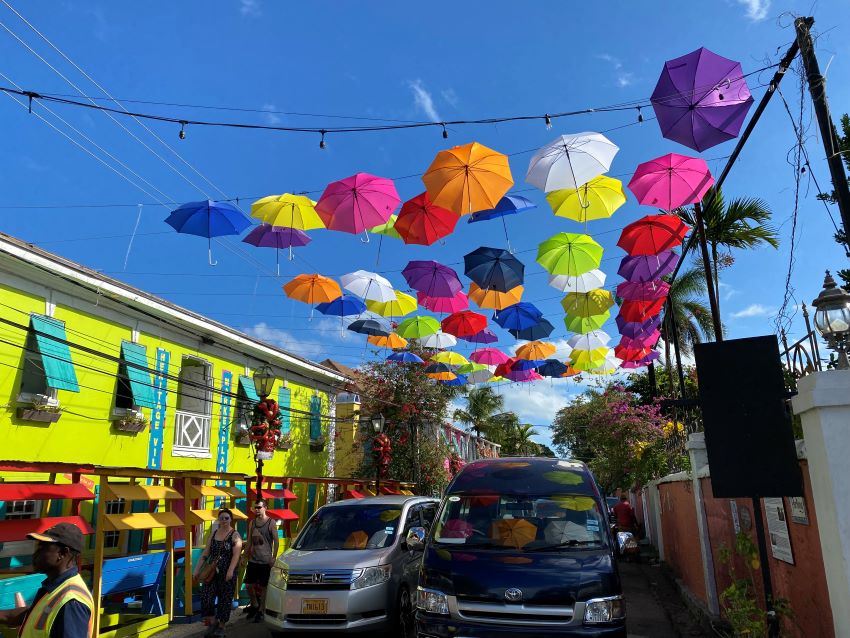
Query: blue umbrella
[[368, 327], [540, 330], [436, 368], [404, 357], [344, 306], [519, 316], [457, 381], [208, 219], [525, 364], [484, 336], [508, 205], [552, 368], [493, 269]]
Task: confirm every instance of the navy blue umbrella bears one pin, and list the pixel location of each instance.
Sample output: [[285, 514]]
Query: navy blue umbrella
[[208, 219], [436, 368], [540, 330], [404, 357], [519, 316], [344, 306], [552, 368], [368, 327], [493, 269]]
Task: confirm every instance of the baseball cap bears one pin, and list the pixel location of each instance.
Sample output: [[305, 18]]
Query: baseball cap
[[66, 534]]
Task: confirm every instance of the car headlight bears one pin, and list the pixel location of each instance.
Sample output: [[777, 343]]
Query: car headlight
[[432, 601], [372, 576], [601, 610], [279, 576]]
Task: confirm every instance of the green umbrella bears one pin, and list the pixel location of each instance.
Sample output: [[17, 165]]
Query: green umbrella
[[387, 229], [586, 324], [587, 304], [467, 368], [569, 254], [418, 327]]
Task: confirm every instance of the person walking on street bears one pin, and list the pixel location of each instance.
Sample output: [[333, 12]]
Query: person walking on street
[[63, 605], [625, 514], [261, 551], [223, 550]]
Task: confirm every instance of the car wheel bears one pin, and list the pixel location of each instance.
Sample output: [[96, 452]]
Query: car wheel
[[405, 622]]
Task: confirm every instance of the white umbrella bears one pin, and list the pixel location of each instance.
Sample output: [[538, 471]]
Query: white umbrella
[[589, 341], [608, 366], [590, 280], [570, 161], [369, 285], [439, 340], [561, 531]]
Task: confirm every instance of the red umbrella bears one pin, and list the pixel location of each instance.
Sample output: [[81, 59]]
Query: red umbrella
[[464, 323], [627, 353], [641, 310], [422, 222], [503, 369], [653, 234]]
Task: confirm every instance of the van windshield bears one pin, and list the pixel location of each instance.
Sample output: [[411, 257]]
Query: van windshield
[[521, 523], [351, 527]]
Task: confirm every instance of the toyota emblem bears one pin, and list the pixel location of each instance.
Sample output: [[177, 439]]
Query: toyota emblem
[[513, 595]]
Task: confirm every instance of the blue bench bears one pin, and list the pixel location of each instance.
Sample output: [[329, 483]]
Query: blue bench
[[139, 575]]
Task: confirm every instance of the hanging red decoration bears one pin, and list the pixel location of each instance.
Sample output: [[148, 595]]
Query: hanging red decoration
[[381, 451], [265, 426]]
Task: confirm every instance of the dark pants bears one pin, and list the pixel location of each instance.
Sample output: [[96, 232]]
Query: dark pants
[[217, 598]]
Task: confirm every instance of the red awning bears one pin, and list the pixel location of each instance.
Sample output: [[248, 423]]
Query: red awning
[[282, 515], [43, 491], [286, 495], [352, 494], [17, 530]]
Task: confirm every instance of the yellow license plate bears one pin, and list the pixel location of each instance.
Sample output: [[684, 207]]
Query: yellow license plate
[[314, 605]]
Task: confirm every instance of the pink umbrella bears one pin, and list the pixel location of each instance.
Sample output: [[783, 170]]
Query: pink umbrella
[[643, 290], [356, 203], [489, 356], [644, 341], [444, 304], [671, 181]]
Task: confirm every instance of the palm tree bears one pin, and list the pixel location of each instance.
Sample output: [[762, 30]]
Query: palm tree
[[482, 404], [524, 445], [741, 224]]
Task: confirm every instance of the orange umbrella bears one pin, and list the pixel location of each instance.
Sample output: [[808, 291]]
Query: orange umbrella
[[312, 289], [468, 178], [442, 376], [571, 372], [514, 532], [536, 350], [356, 540], [392, 341], [494, 299]]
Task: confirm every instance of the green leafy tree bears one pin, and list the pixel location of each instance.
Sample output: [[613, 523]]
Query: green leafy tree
[[482, 406], [638, 383]]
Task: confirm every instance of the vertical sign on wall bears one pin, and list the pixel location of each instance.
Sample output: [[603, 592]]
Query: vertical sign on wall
[[160, 392], [224, 424]]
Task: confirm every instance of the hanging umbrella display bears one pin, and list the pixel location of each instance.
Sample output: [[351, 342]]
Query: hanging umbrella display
[[277, 237], [597, 199], [464, 323], [368, 327], [443, 304], [523, 376], [450, 358], [653, 234], [540, 330], [343, 306], [635, 311], [439, 341], [387, 229], [587, 359], [479, 376], [627, 353], [287, 210], [368, 285], [643, 290], [432, 278], [552, 368], [518, 317], [701, 99], [489, 356], [635, 330], [312, 289], [671, 181], [208, 219], [418, 327], [493, 269], [592, 340], [570, 161], [469, 178], [536, 350], [402, 305], [442, 376], [437, 367], [493, 299], [609, 366], [422, 222], [484, 336], [586, 324], [526, 364], [571, 372], [642, 268], [505, 367], [587, 304], [586, 282], [647, 340], [405, 357], [569, 254], [459, 380], [391, 341], [508, 205], [353, 204], [469, 368]]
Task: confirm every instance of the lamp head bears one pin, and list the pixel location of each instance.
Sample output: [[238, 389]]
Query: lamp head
[[264, 380], [378, 423], [832, 317]]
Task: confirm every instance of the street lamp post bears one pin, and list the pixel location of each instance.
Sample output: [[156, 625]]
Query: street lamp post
[[378, 429], [832, 318], [263, 382]]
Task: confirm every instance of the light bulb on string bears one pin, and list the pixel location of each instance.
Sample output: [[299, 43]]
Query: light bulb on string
[[640, 116], [322, 141], [182, 133], [445, 132], [548, 121]]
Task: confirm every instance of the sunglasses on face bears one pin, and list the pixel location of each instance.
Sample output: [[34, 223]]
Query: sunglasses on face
[[224, 517], [258, 507]]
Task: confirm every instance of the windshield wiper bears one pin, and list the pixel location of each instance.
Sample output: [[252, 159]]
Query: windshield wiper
[[569, 543], [459, 546]]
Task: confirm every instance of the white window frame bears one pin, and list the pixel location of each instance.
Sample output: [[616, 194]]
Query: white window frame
[[194, 443]]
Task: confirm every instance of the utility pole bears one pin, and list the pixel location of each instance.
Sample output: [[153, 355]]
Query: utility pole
[[709, 279]]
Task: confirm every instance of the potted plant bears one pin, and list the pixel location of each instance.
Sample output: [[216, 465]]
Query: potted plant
[[132, 421], [285, 441], [318, 444], [42, 411]]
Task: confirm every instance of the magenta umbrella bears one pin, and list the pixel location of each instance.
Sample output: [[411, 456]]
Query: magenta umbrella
[[489, 356], [671, 181], [432, 278], [443, 304], [643, 290], [523, 375], [647, 340], [356, 203]]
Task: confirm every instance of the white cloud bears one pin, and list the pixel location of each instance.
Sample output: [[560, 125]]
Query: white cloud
[[450, 97], [754, 310], [727, 291], [756, 9], [272, 119], [250, 8], [538, 403], [622, 77], [327, 330], [423, 100]]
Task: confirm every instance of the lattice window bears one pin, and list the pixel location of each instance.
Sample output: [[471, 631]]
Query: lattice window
[[20, 510], [111, 539]]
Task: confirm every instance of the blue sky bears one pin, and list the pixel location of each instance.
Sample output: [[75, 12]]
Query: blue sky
[[391, 61]]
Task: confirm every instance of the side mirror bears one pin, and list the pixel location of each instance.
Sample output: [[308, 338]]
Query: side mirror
[[415, 539]]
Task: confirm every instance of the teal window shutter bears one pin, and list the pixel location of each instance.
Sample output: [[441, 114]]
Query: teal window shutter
[[135, 367], [55, 355], [284, 402], [315, 417], [248, 388]]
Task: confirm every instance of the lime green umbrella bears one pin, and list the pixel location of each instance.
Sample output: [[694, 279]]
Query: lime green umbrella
[[584, 325], [587, 359], [497, 379], [468, 368], [569, 254], [587, 304], [417, 327], [387, 229]]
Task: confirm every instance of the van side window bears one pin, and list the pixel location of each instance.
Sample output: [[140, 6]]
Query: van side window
[[412, 520], [429, 511]]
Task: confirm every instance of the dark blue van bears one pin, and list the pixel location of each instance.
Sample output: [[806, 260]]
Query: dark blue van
[[520, 547]]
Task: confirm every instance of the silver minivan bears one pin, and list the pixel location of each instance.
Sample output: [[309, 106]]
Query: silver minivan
[[350, 569]]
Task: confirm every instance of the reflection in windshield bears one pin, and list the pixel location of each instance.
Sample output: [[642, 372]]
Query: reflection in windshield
[[524, 523], [351, 527]]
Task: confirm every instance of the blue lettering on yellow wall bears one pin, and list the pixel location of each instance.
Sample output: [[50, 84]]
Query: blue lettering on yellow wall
[[160, 391], [224, 424]]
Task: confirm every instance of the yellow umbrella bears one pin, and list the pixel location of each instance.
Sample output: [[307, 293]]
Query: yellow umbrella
[[535, 350], [392, 341], [312, 289], [450, 358], [587, 359], [403, 304], [494, 299], [356, 540], [290, 211], [597, 199], [587, 304], [468, 178], [497, 379]]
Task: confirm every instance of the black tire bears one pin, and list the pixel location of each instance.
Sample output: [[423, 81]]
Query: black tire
[[404, 625]]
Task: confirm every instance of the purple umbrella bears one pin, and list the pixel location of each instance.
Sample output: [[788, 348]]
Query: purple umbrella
[[634, 330], [642, 268], [432, 278], [277, 237], [643, 290], [701, 99], [484, 336], [523, 375]]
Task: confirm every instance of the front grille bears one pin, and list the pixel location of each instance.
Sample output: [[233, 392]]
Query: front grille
[[310, 619], [316, 587], [523, 614], [320, 579]]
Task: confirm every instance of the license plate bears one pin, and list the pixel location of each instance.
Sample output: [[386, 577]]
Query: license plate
[[314, 605]]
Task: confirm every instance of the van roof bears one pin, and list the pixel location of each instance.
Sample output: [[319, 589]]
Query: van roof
[[524, 476], [382, 500]]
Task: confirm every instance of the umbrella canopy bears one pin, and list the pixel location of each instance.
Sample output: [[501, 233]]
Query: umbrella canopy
[[592, 340], [418, 327], [489, 356], [518, 317], [570, 161], [312, 289], [439, 340], [552, 368], [479, 376], [635, 330], [287, 210], [353, 204], [508, 205], [468, 178], [208, 219], [587, 304], [586, 359], [493, 269], [653, 234], [609, 365], [450, 358], [459, 380], [540, 330], [647, 340], [368, 327], [368, 285], [432, 278], [493, 299], [268, 236], [464, 323], [484, 336], [387, 229], [523, 376], [536, 350], [640, 310], [642, 268], [468, 368], [586, 282], [583, 325], [343, 306], [569, 254], [443, 304], [701, 99], [643, 290], [422, 222], [629, 353], [442, 376], [597, 199], [403, 304], [525, 364], [671, 181], [405, 357], [391, 341], [503, 368], [437, 367]]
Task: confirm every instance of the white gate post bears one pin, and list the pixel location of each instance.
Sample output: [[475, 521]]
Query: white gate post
[[699, 469]]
